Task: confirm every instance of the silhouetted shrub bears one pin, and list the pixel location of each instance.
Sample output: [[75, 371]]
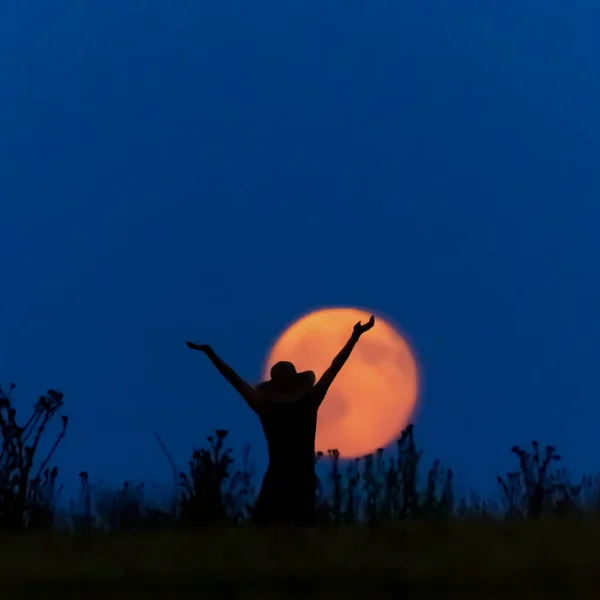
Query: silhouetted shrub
[[27, 500], [536, 489], [212, 492], [371, 489]]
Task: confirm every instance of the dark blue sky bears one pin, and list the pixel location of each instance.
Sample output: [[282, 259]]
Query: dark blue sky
[[213, 170]]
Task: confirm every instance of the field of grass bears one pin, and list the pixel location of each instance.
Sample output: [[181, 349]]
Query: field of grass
[[549, 558], [388, 529]]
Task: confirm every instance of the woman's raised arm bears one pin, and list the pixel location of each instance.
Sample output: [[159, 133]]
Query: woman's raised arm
[[246, 391]]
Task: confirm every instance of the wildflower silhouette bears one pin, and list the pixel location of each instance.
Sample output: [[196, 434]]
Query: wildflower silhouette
[[287, 406]]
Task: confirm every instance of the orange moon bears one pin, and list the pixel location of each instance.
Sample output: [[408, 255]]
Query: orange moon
[[374, 395]]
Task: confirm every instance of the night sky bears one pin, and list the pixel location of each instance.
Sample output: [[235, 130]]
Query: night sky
[[214, 170]]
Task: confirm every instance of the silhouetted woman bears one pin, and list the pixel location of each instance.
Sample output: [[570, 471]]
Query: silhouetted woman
[[287, 406]]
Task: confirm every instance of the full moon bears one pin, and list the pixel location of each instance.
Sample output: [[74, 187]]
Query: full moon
[[374, 395]]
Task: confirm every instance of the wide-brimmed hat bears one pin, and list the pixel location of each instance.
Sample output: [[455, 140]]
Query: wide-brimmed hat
[[286, 384]]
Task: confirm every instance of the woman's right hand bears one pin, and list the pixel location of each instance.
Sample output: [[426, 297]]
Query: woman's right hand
[[359, 328]]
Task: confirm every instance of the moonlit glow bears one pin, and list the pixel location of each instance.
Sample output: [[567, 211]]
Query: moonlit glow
[[374, 395]]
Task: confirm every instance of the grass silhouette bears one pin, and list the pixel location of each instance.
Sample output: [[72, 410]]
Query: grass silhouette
[[386, 527]]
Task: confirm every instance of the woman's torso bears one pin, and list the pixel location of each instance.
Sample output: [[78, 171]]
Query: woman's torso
[[290, 431]]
